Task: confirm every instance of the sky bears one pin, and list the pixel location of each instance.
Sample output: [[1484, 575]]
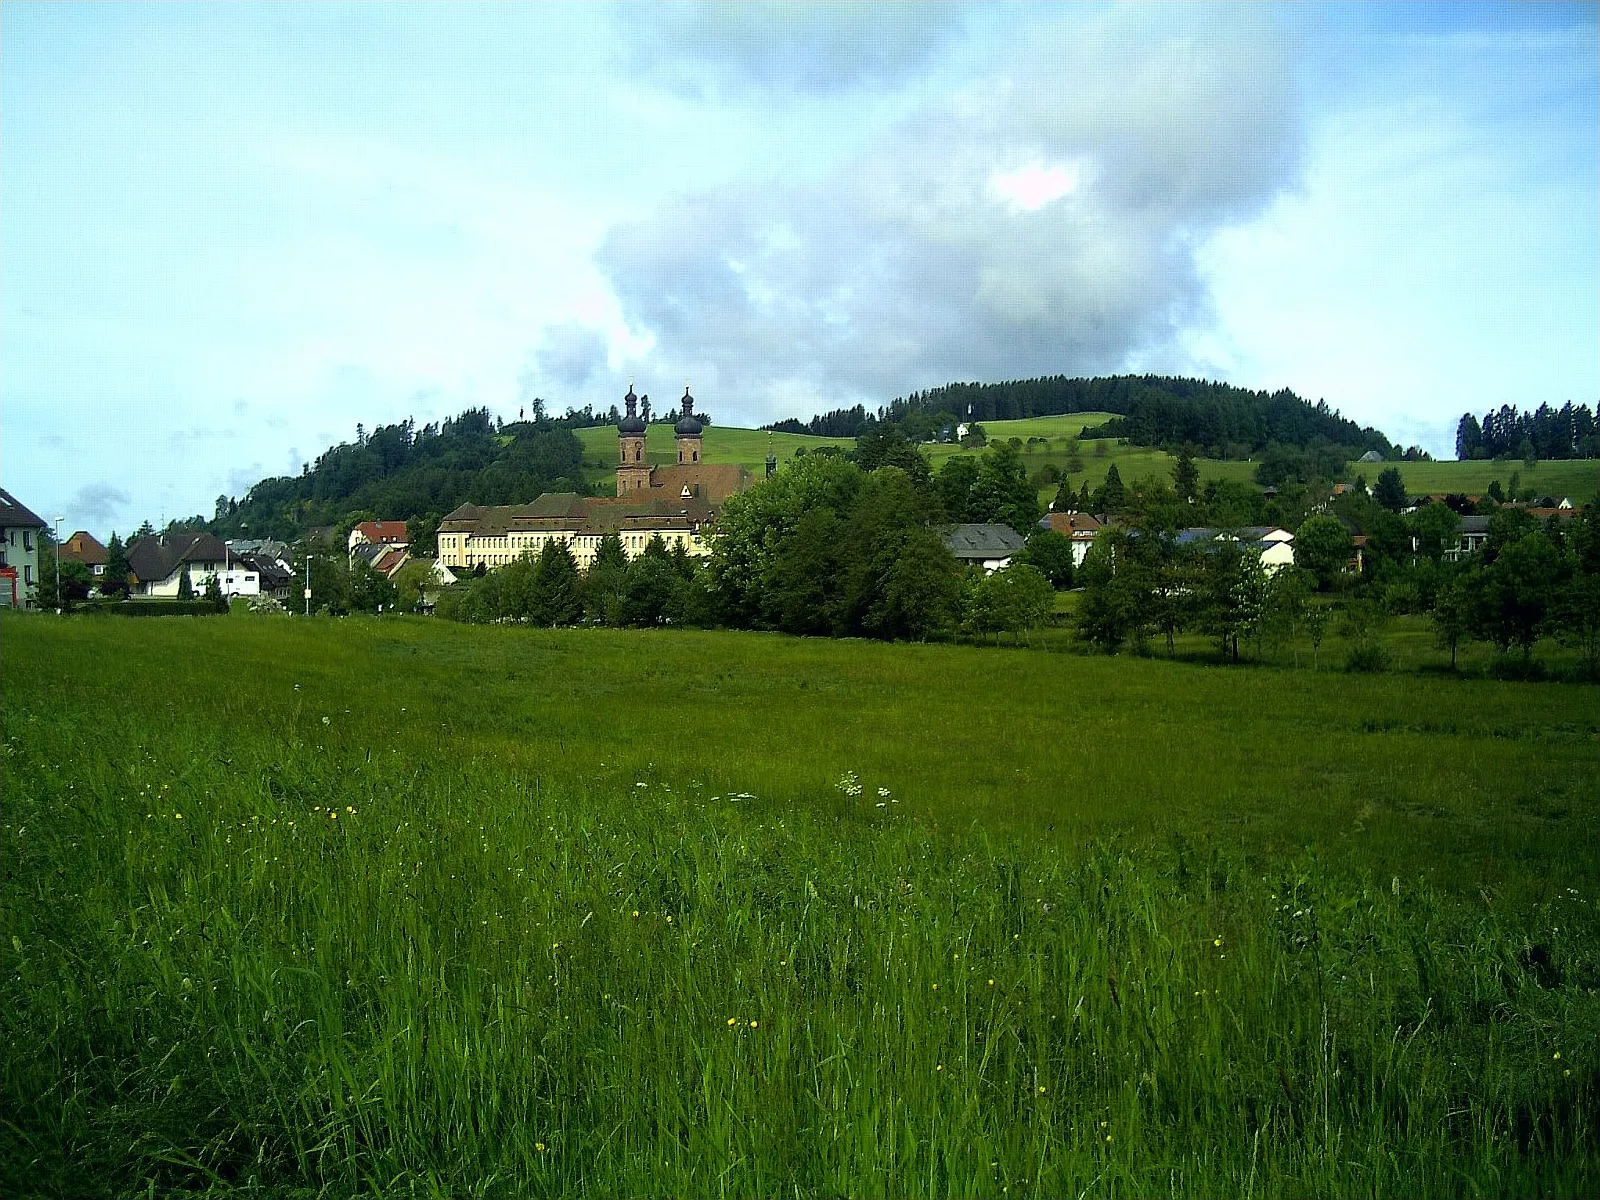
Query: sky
[[231, 233]]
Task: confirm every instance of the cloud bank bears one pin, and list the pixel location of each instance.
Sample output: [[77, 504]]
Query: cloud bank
[[1046, 221]]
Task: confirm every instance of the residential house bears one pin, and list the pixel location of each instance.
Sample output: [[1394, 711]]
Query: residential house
[[379, 533], [1474, 532], [991, 547], [1079, 527], [20, 531], [1272, 544], [83, 547], [381, 557], [159, 562]]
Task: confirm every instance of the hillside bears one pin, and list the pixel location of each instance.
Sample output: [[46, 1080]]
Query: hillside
[[1149, 410], [402, 472]]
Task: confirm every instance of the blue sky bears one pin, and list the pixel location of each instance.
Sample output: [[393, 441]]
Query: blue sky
[[229, 233]]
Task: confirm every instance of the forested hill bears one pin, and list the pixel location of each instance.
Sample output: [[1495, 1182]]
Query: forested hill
[[1152, 410], [401, 472]]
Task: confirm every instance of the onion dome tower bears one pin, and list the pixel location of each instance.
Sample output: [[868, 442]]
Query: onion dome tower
[[688, 431], [632, 471]]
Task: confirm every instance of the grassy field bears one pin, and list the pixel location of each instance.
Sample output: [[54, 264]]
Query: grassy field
[[392, 907], [722, 444], [1578, 479]]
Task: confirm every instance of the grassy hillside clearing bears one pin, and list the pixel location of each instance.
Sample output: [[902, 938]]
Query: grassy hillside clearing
[[1578, 479]]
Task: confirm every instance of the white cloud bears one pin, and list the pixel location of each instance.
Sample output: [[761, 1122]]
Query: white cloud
[[901, 271]]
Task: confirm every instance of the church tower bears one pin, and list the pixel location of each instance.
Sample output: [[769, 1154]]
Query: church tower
[[633, 473], [687, 432]]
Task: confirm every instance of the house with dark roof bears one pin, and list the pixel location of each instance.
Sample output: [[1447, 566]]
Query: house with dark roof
[[1274, 546], [20, 530], [991, 547], [380, 557], [160, 561]]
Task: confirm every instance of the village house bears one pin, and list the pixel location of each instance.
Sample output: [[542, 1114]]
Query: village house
[[1080, 528], [1272, 544], [159, 562], [991, 547], [381, 557], [379, 533], [20, 531], [677, 503], [83, 547]]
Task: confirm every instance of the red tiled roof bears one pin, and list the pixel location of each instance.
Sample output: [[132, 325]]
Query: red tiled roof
[[383, 531]]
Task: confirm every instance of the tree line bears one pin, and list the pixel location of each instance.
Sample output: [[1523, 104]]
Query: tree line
[[1152, 410], [1565, 432], [407, 472], [1531, 580]]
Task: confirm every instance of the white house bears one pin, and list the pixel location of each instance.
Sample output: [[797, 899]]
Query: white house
[[1273, 545], [989, 546], [1079, 528], [158, 563], [379, 533], [19, 552]]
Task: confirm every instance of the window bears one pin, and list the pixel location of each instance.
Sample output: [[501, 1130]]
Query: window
[[27, 540], [27, 574]]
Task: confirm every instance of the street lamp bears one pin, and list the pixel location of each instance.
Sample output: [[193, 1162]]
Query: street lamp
[[58, 566]]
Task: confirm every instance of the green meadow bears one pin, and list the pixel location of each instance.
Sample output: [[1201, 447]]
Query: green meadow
[[1577, 479], [397, 907]]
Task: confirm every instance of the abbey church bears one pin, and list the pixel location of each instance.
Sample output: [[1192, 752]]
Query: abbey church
[[677, 502]]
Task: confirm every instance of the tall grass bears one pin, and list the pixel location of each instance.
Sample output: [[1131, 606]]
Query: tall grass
[[256, 942]]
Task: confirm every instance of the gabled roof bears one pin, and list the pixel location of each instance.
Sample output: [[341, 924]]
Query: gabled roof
[[1262, 537], [272, 575], [1081, 526], [981, 541], [14, 515], [383, 531], [158, 556], [85, 548]]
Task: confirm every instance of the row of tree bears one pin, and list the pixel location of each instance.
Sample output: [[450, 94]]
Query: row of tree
[[1566, 432], [824, 548], [1151, 410], [1526, 583], [403, 472]]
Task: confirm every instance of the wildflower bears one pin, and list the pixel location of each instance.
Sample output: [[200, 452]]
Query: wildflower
[[940, 1067], [884, 792], [753, 1024], [732, 1021], [177, 816], [327, 720], [669, 918], [991, 983], [539, 1146], [936, 987], [1556, 1057], [636, 914], [1041, 1090], [1217, 941]]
